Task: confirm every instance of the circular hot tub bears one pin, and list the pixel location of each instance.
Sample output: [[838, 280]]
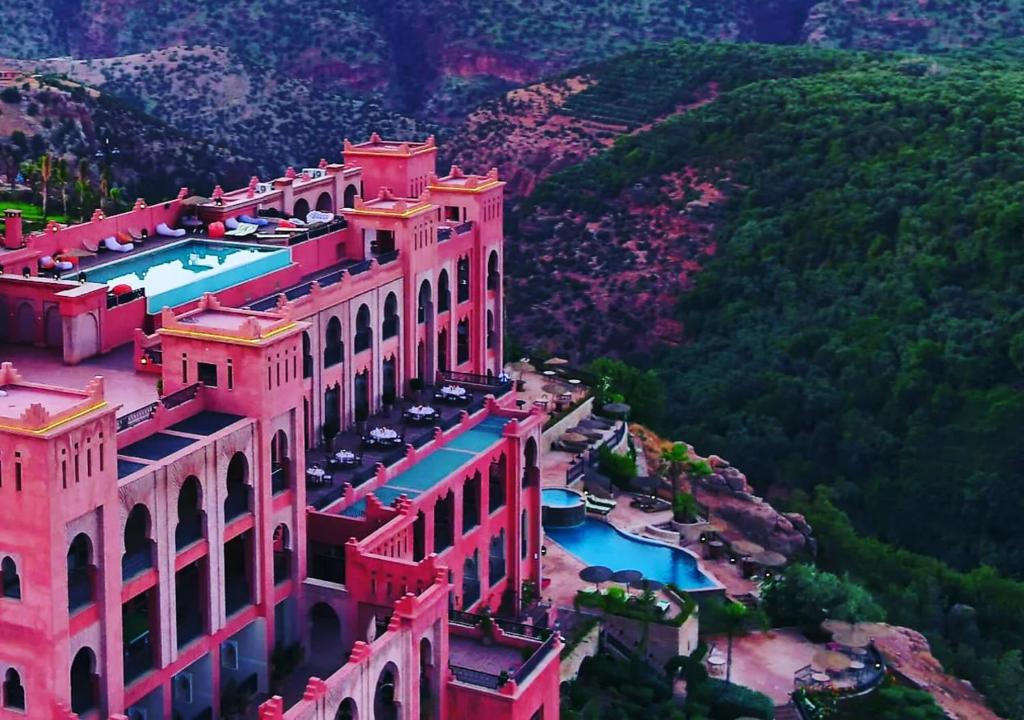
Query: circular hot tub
[[561, 507]]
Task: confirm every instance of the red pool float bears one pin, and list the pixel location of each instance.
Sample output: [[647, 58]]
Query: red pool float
[[121, 289], [216, 230]]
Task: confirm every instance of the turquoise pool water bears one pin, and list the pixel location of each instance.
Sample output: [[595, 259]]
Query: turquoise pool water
[[559, 497], [598, 543], [177, 274]]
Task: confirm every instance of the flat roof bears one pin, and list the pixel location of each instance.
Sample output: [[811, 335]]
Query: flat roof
[[157, 446], [223, 320], [206, 422], [16, 399], [127, 467]]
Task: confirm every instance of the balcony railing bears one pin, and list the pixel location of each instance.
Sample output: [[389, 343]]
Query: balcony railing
[[476, 677], [180, 396], [278, 478], [444, 234], [359, 267], [138, 658], [532, 662], [474, 379], [136, 417], [387, 257], [509, 627], [463, 228]]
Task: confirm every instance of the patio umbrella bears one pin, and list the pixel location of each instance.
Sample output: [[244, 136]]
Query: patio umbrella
[[522, 366], [596, 574], [195, 200], [830, 661], [650, 584], [745, 548], [629, 577], [770, 559], [571, 437], [556, 361], [853, 638], [620, 409]]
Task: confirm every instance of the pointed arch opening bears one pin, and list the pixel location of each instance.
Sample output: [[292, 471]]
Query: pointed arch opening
[[190, 514], [138, 543]]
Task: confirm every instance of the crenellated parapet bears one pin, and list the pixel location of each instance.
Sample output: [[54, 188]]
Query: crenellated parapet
[[39, 409]]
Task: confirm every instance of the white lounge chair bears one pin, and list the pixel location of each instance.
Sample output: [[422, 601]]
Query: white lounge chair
[[111, 243], [165, 231], [242, 230]]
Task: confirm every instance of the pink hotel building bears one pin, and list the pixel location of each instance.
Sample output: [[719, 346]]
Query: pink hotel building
[[163, 552]]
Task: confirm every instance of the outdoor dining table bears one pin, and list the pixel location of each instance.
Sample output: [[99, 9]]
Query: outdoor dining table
[[453, 391], [421, 412], [345, 456], [856, 665], [820, 677], [317, 474], [383, 433]]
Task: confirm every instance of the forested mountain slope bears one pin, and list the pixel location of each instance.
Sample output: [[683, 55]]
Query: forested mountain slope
[[860, 324]]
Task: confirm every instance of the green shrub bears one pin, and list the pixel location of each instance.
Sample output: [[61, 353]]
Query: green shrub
[[805, 596], [620, 469]]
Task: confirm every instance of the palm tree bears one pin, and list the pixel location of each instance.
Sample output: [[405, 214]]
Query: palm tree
[[61, 176], [675, 458], [82, 184], [45, 170], [735, 617]]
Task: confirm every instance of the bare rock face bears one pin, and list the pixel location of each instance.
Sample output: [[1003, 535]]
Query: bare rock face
[[729, 496]]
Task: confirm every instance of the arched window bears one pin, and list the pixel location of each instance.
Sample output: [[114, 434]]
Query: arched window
[[237, 501], [14, 693], [444, 522], [83, 681], [190, 514], [364, 334], [471, 503], [493, 276], [491, 336], [462, 271], [390, 325], [10, 581], [138, 547], [428, 681], [496, 484], [462, 342], [471, 580], [423, 306], [80, 572], [307, 355], [350, 196], [301, 209], [347, 710], [444, 293], [324, 203], [333, 347]]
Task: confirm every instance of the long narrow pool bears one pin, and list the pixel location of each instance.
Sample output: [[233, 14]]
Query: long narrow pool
[[599, 543]]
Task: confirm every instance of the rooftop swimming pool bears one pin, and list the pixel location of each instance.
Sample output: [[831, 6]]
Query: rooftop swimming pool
[[176, 274], [599, 543], [560, 498]]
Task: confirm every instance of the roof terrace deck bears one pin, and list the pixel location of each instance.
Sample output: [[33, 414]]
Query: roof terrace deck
[[425, 474]]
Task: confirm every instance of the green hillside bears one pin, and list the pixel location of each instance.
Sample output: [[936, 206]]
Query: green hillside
[[862, 323]]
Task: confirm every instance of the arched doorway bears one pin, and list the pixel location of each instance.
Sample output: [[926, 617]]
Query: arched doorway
[[325, 203], [138, 545], [333, 346], [421, 361], [281, 545], [80, 572], [10, 581], [53, 328], [237, 501], [419, 537], [364, 333], [350, 196], [531, 473], [324, 636], [361, 397], [389, 377], [493, 276], [491, 337], [389, 328], [385, 706], [307, 355], [442, 349], [25, 324], [332, 411], [279, 474], [462, 277], [84, 682], [301, 209], [462, 342], [423, 306], [444, 522], [190, 514], [428, 681], [471, 580]]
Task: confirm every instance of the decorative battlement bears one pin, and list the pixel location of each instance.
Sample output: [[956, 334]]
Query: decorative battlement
[[458, 181], [388, 204], [378, 146], [39, 409]]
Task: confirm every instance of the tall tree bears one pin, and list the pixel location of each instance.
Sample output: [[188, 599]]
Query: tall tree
[[675, 459], [45, 171], [735, 616], [61, 176]]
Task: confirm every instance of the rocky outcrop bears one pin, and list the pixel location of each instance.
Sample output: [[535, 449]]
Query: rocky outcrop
[[731, 499]]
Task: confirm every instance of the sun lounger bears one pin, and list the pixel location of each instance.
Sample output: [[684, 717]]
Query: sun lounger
[[599, 509], [231, 223], [271, 236], [258, 222], [315, 216], [244, 229], [600, 501], [165, 231], [111, 244]]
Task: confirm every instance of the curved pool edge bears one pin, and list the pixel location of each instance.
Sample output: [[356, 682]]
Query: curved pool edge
[[716, 588]]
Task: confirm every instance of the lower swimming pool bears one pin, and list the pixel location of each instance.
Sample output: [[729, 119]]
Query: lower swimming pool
[[179, 273], [599, 543]]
